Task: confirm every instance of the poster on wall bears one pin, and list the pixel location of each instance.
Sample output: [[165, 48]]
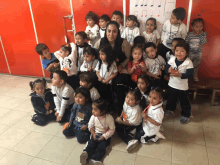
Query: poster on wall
[[158, 9]]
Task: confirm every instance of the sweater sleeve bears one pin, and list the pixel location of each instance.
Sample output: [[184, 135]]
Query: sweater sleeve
[[38, 108], [123, 35], [96, 33], [183, 32], [64, 102], [163, 31], [167, 68], [126, 48], [56, 99], [91, 123], [97, 44], [137, 32], [188, 74], [202, 38], [111, 128]]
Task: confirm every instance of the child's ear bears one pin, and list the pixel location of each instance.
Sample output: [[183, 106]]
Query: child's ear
[[62, 81]]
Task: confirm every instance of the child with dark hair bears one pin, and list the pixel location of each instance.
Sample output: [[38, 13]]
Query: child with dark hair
[[49, 62], [140, 40], [196, 39], [132, 30], [92, 30], [63, 95], [42, 101], [118, 17], [80, 114], [103, 21], [172, 28]]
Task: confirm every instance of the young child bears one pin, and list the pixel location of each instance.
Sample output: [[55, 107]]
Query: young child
[[170, 53], [132, 30], [155, 64], [102, 127], [136, 66], [172, 28], [42, 101], [63, 95], [151, 34], [92, 30], [103, 21], [118, 17], [86, 81], [140, 40], [180, 69], [68, 59], [80, 41], [196, 39], [152, 117], [106, 70], [90, 61], [80, 115], [130, 119], [49, 62]]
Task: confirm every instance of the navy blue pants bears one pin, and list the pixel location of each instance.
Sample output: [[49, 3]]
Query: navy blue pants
[[141, 133]]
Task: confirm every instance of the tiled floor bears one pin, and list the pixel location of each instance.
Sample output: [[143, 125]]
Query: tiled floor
[[23, 143]]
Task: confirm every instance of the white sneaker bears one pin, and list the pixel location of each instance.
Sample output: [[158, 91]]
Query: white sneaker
[[83, 157], [131, 145], [94, 162], [33, 115]]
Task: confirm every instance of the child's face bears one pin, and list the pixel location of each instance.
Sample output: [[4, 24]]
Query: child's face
[[180, 53], [46, 53], [137, 54], [84, 84], [154, 98], [141, 84], [130, 100], [90, 22], [95, 111], [198, 27], [39, 88], [151, 52], [80, 99], [130, 23], [64, 54], [79, 40], [117, 18], [150, 26], [173, 45], [102, 23], [88, 57], [102, 56], [174, 20], [56, 81]]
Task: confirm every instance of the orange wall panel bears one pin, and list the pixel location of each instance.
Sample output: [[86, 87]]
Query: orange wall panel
[[3, 65]]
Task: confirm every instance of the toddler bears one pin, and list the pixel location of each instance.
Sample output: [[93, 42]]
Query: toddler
[[118, 17], [103, 20], [140, 40]]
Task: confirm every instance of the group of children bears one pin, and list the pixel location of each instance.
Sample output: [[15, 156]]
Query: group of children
[[82, 94]]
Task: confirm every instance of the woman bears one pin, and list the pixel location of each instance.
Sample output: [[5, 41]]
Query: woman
[[121, 54]]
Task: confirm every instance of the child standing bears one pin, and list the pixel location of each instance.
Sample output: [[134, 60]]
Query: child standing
[[130, 119], [63, 95], [152, 117], [132, 30], [173, 28], [103, 20], [80, 115], [42, 101], [102, 127], [86, 81], [49, 62], [151, 34], [118, 17], [92, 30], [180, 69], [196, 39]]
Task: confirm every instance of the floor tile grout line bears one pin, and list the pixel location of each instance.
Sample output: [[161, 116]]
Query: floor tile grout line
[[205, 144]]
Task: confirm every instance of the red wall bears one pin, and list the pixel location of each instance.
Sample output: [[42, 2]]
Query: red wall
[[3, 65]]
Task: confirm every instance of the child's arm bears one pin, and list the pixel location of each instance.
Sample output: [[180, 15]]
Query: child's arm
[[158, 42], [96, 32], [50, 100], [136, 32], [49, 67], [111, 125], [39, 108], [110, 78], [143, 66], [183, 32], [123, 35], [131, 69], [151, 120], [99, 77], [152, 75], [114, 71]]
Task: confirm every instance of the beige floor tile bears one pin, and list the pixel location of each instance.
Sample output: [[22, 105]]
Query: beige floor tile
[[15, 158], [26, 123], [212, 137], [4, 111], [3, 99], [213, 154], [189, 133], [26, 106], [167, 130], [12, 136], [206, 109], [3, 128], [160, 150], [189, 154], [12, 102], [32, 143], [51, 128], [37, 161], [118, 157], [3, 152], [140, 160], [12, 117], [57, 150], [211, 121]]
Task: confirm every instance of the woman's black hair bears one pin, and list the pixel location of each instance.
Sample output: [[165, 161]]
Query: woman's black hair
[[134, 18], [82, 34], [159, 91], [154, 20], [136, 93], [138, 46], [197, 20], [33, 83], [107, 49], [66, 48], [184, 45], [85, 92], [102, 105]]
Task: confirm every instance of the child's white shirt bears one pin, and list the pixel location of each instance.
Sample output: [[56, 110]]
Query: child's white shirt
[[132, 114], [80, 58], [169, 55], [68, 63], [170, 32], [93, 63], [121, 28], [104, 125], [130, 34], [154, 65], [63, 97], [104, 73], [177, 82], [93, 34], [153, 37], [94, 94], [102, 32]]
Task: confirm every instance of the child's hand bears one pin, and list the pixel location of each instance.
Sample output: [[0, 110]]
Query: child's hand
[[49, 112], [90, 69], [163, 67], [143, 114], [102, 138], [119, 120], [84, 128], [100, 79], [134, 67], [120, 67], [56, 114], [106, 81], [59, 118], [176, 74], [155, 76], [142, 65], [56, 65]]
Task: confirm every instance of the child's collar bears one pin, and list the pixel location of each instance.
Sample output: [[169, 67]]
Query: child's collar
[[157, 106], [103, 29]]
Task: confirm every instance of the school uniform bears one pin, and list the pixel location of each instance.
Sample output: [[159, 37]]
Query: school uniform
[[85, 66], [169, 55], [102, 32], [93, 34], [121, 29], [144, 99], [153, 37], [130, 34], [79, 50]]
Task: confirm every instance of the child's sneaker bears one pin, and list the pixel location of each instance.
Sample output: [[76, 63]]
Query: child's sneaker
[[195, 78], [184, 120], [83, 157], [94, 162], [168, 112], [131, 145]]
